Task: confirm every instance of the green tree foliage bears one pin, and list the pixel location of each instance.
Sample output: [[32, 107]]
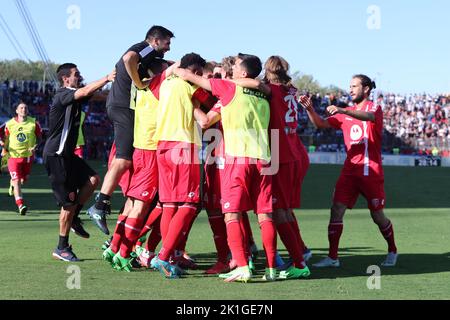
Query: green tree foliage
[[21, 70], [307, 83]]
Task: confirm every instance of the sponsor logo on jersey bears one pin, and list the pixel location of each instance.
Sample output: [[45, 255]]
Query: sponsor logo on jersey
[[356, 132], [21, 137]]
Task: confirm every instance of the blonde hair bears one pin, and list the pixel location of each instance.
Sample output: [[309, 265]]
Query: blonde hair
[[227, 65]]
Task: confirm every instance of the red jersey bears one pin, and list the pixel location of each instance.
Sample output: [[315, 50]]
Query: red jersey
[[283, 116], [362, 141], [2, 131]]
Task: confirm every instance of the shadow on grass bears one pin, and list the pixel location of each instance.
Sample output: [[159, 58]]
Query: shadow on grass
[[353, 264]]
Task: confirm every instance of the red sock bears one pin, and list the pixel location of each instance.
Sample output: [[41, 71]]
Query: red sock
[[152, 217], [290, 241], [248, 229], [182, 244], [236, 242], [19, 201], [298, 234], [119, 232], [245, 236], [167, 215], [334, 234], [155, 236], [219, 230], [269, 240], [388, 234], [178, 228], [133, 228]]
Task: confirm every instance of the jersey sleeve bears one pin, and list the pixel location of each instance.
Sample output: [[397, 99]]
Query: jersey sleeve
[[335, 121], [67, 97], [141, 50], [5, 132], [223, 89], [205, 98], [38, 130], [155, 84], [376, 109]]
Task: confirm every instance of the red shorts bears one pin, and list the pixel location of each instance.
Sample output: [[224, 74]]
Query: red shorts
[[211, 194], [287, 184], [124, 182], [244, 188], [179, 175], [20, 168], [348, 188], [144, 181], [79, 151]]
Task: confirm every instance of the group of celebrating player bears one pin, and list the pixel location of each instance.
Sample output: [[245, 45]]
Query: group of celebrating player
[[252, 159]]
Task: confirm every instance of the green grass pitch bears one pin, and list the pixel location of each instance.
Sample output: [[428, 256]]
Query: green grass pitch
[[417, 203]]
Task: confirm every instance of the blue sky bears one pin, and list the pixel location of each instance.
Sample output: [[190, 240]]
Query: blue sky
[[331, 40]]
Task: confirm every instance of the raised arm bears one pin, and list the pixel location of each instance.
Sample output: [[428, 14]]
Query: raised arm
[[187, 75], [254, 84], [169, 70], [131, 61], [317, 120], [357, 114], [89, 89]]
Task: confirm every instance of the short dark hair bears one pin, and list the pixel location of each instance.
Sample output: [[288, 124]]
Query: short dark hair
[[158, 32], [192, 59], [157, 66], [366, 81], [64, 71], [251, 63]]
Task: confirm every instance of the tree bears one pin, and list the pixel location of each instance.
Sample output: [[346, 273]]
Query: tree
[[307, 83], [21, 70]]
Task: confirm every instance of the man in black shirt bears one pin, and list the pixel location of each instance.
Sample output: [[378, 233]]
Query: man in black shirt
[[139, 56], [72, 180]]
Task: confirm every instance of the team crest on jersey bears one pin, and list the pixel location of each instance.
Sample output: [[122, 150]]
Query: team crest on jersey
[[355, 132], [21, 137]]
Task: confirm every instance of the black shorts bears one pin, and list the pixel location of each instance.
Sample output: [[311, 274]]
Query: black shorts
[[123, 124], [67, 175]]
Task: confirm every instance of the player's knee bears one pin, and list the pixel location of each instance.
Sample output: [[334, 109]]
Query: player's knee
[[232, 216], [281, 216], [265, 217], [337, 211], [122, 164]]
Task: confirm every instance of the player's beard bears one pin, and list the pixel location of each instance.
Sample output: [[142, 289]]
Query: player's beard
[[358, 99]]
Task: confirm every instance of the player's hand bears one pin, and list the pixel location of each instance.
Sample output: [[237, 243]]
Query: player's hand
[[143, 84], [306, 102], [110, 77], [182, 73], [4, 152], [334, 110]]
